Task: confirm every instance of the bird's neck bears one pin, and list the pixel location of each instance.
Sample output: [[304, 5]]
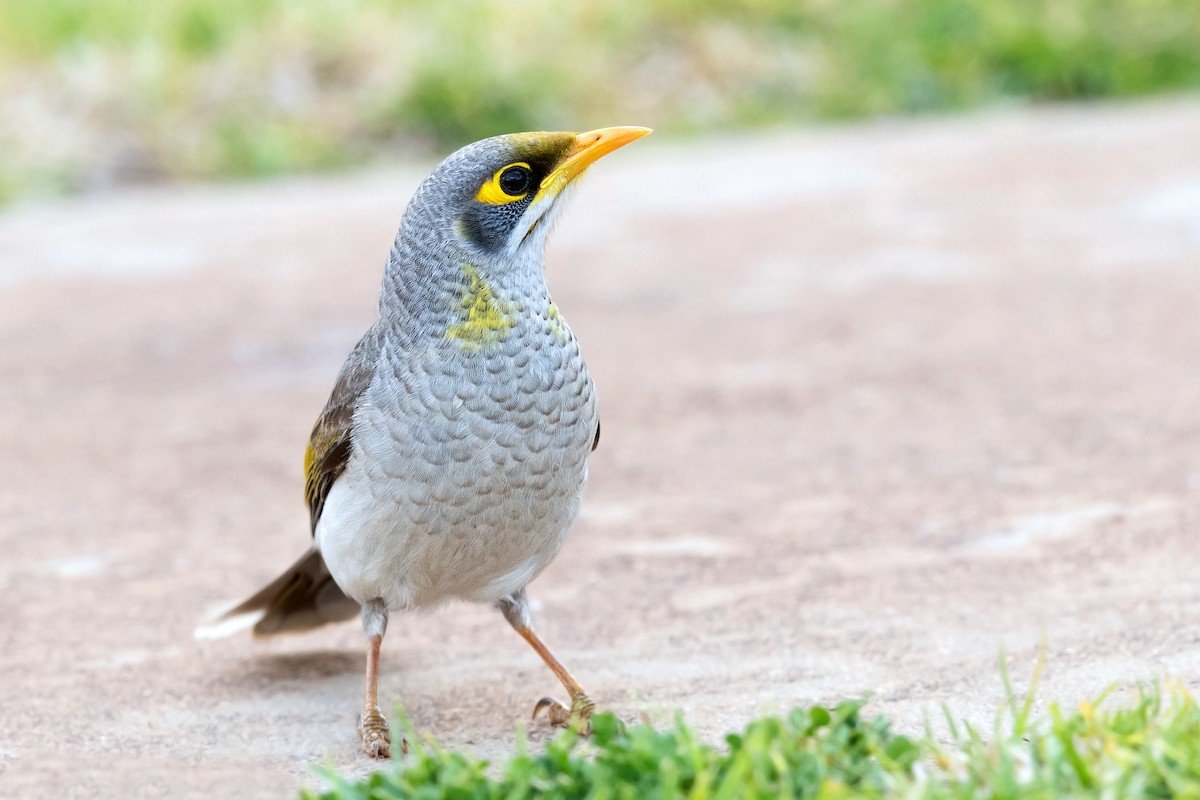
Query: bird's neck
[[471, 302]]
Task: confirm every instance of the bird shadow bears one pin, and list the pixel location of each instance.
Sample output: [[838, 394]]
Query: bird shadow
[[274, 669], [308, 665]]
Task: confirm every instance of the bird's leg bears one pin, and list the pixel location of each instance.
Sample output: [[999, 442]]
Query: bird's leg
[[579, 715], [372, 727]]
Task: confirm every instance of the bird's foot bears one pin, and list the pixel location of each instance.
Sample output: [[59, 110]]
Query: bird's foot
[[375, 735], [578, 717]]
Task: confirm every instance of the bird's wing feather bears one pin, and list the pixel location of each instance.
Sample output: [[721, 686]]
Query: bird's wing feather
[[330, 443]]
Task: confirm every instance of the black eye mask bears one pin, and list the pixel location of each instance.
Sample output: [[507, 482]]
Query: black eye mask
[[489, 226]]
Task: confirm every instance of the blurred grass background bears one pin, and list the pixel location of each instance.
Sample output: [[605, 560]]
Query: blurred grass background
[[97, 92]]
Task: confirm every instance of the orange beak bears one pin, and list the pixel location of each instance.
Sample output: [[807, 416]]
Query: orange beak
[[589, 147]]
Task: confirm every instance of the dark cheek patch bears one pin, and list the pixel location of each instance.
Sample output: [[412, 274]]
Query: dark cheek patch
[[489, 226]]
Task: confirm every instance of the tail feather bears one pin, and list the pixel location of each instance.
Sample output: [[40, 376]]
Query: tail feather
[[304, 597]]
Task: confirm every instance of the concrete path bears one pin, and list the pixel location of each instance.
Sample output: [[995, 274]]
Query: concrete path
[[877, 402]]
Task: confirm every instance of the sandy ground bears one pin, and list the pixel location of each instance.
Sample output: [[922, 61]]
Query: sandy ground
[[878, 401]]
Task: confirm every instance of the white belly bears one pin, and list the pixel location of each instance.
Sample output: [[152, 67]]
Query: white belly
[[415, 546], [459, 488]]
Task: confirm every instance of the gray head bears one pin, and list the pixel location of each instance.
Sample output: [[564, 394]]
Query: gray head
[[491, 203]]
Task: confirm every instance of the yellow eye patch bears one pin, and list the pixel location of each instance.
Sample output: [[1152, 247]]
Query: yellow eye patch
[[508, 185]]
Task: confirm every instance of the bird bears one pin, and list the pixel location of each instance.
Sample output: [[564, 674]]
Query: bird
[[451, 457]]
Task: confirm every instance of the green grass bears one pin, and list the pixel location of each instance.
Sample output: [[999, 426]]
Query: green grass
[[93, 91], [1149, 748]]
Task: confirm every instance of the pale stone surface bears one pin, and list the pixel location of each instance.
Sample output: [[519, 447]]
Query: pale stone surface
[[877, 401]]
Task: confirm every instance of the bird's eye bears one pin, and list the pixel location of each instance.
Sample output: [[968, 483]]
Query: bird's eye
[[515, 180], [507, 185]]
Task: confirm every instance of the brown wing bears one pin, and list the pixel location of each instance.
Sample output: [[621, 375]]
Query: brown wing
[[330, 443]]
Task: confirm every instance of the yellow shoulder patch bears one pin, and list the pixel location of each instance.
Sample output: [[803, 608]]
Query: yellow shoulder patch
[[310, 458], [485, 319]]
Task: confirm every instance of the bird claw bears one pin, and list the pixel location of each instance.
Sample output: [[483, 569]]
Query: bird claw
[[376, 736], [578, 717]]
